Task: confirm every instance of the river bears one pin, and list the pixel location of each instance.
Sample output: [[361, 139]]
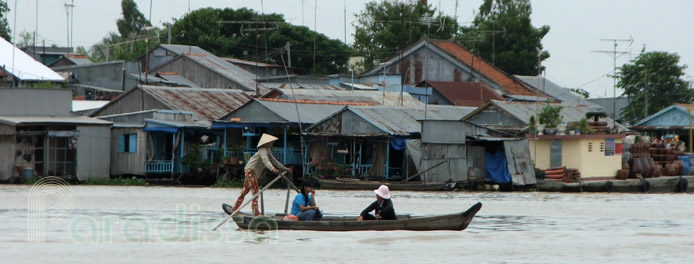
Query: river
[[114, 224]]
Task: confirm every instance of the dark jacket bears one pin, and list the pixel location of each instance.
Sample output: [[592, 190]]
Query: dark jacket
[[385, 210]]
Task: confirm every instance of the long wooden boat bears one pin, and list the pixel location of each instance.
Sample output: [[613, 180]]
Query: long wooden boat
[[456, 221], [354, 184]]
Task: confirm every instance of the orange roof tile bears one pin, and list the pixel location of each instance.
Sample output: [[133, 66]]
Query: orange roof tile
[[76, 56], [316, 102], [504, 80]]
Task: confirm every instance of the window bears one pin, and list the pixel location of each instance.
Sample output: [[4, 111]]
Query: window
[[590, 146], [127, 143]]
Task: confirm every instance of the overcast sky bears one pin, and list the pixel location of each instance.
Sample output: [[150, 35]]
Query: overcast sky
[[577, 27]]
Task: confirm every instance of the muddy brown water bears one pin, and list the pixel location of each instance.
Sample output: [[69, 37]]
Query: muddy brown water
[[112, 224]]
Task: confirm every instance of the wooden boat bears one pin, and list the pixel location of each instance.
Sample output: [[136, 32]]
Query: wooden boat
[[457, 221], [354, 184]]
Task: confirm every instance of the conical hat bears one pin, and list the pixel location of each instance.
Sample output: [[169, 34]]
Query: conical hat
[[266, 138]]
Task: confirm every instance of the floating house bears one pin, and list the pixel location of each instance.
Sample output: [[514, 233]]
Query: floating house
[[40, 136], [596, 156], [460, 151], [513, 117], [672, 120], [283, 118], [155, 127], [370, 140]]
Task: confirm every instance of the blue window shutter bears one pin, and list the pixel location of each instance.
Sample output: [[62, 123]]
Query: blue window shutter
[[121, 143], [133, 143]]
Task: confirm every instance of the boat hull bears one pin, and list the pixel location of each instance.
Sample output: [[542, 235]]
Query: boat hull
[[456, 221]]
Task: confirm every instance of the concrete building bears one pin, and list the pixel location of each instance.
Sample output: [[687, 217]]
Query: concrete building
[[595, 156]]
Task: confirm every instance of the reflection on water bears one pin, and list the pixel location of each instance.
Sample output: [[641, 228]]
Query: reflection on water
[[164, 225]]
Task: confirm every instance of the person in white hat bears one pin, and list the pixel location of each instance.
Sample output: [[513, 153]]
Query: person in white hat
[[256, 166], [383, 206]]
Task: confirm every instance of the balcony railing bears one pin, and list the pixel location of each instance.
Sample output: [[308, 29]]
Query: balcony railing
[[159, 166], [293, 157]]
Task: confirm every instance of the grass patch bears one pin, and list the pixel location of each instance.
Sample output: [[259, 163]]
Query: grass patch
[[233, 183], [134, 181]]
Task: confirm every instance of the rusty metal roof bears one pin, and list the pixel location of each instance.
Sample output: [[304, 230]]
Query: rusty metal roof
[[506, 81], [375, 97], [299, 85], [315, 102], [465, 93], [206, 104]]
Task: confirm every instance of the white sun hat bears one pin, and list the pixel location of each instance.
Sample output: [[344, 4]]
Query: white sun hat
[[383, 192], [266, 138]]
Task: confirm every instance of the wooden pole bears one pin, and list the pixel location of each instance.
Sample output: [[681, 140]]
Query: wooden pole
[[248, 201], [428, 169], [286, 203]]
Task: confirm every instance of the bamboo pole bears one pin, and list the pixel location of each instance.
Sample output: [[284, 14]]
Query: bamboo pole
[[248, 201]]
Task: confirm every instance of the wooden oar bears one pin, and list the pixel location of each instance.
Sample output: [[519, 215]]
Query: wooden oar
[[430, 168], [251, 200]]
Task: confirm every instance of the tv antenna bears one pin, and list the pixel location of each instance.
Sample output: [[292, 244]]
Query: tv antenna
[[615, 54]]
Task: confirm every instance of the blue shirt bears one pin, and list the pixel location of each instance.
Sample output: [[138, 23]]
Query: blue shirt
[[300, 200]]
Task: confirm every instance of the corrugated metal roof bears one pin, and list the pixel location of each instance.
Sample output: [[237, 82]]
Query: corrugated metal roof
[[169, 123], [315, 102], [226, 69], [309, 113], [297, 85], [25, 67], [175, 78], [376, 97], [81, 105], [78, 59], [662, 119], [554, 90], [205, 104], [524, 110], [180, 49], [404, 120], [465, 93], [252, 63], [15, 120]]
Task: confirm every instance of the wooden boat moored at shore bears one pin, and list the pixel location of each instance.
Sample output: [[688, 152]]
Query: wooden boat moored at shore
[[456, 221], [354, 184]]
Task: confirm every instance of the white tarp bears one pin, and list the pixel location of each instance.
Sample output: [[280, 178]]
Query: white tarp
[[25, 67]]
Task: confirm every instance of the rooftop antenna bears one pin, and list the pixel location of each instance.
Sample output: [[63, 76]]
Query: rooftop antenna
[[615, 54], [302, 13], [345, 23], [315, 15], [14, 34]]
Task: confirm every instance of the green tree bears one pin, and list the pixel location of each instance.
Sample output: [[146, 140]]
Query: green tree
[[26, 39], [136, 37], [241, 34], [5, 31], [133, 21], [503, 34], [653, 77], [581, 92], [384, 27]]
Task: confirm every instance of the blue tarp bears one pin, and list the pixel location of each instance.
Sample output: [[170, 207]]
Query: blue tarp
[[398, 143], [161, 129], [495, 167]]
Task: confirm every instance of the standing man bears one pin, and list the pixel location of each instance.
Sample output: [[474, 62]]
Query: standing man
[[256, 167]]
